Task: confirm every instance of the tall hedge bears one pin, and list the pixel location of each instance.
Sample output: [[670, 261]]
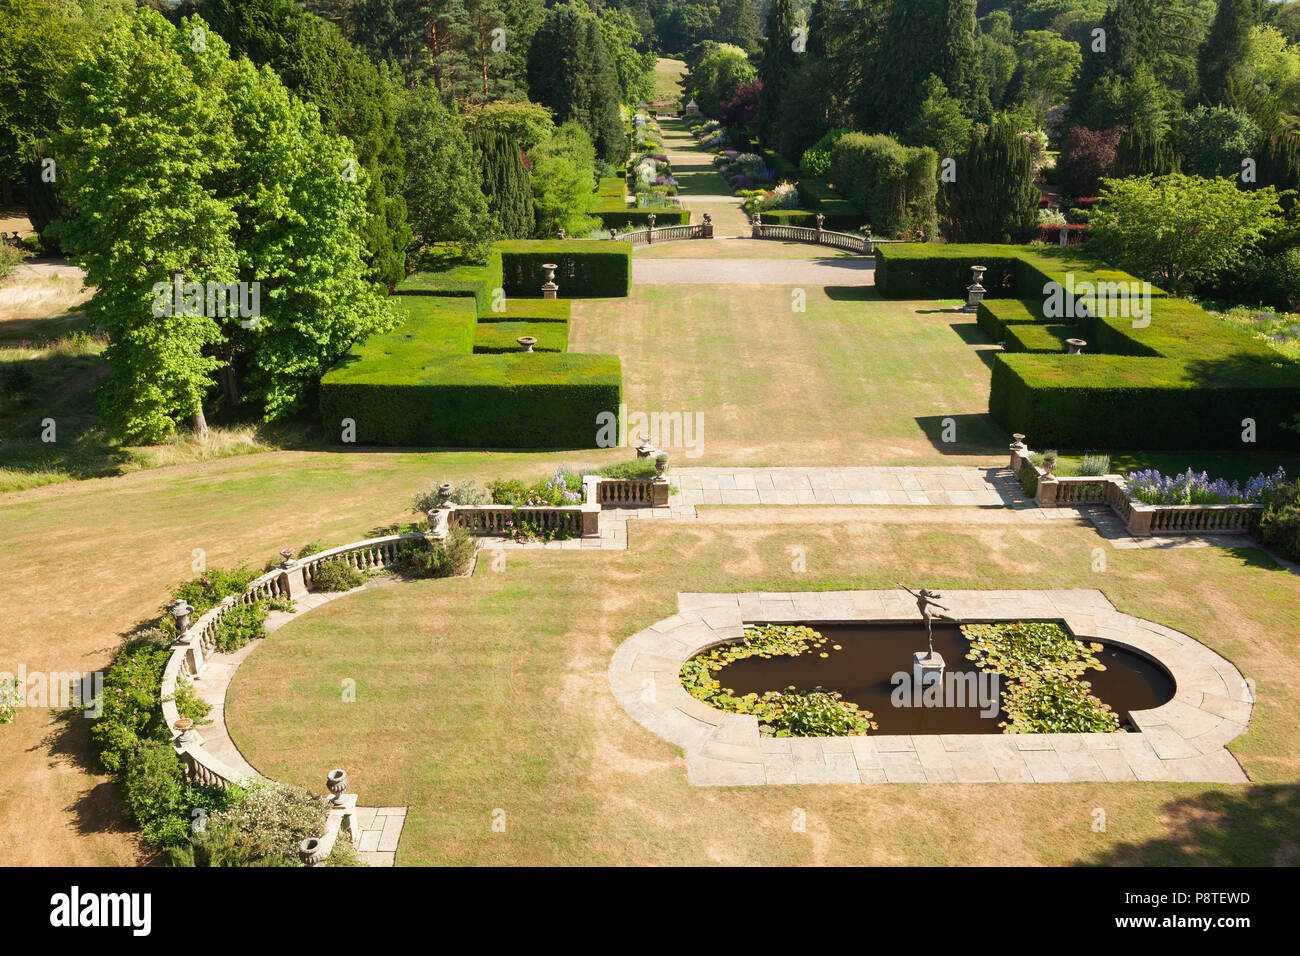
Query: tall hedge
[[586, 269], [891, 184], [993, 198]]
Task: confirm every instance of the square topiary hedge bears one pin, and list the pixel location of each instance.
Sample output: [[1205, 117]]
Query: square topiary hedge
[[1172, 377], [586, 269], [929, 270], [478, 401], [476, 281], [498, 337]]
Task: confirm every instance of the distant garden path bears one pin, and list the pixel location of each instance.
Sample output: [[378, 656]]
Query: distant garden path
[[700, 186]]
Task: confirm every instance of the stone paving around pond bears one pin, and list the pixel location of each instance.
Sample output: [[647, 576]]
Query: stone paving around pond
[[1183, 740]]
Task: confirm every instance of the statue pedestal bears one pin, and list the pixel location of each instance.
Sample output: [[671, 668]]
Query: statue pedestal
[[927, 668]]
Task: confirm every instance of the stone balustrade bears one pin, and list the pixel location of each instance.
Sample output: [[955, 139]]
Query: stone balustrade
[[632, 492], [1141, 518], [197, 642], [850, 242]]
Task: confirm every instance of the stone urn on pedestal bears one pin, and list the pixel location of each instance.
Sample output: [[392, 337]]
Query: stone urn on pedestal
[[337, 782], [975, 291], [549, 288], [1076, 346], [526, 342], [661, 464]]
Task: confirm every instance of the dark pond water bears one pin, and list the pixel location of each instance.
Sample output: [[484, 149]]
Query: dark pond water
[[872, 654]]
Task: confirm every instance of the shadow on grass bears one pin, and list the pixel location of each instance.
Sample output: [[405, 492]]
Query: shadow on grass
[[852, 293], [968, 434], [1258, 826]]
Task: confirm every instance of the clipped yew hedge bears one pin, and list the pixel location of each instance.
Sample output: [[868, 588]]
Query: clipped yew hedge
[[1176, 379], [452, 374], [587, 269], [617, 215], [479, 401]]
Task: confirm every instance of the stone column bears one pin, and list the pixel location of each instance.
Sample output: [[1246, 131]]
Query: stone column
[[590, 520], [659, 488], [1046, 494], [708, 226]]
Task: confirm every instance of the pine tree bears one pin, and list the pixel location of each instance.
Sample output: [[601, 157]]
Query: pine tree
[[1223, 60], [506, 183], [774, 71], [924, 37], [570, 72]]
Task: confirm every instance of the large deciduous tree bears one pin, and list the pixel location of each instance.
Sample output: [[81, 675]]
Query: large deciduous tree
[[1180, 230], [355, 99], [183, 166]]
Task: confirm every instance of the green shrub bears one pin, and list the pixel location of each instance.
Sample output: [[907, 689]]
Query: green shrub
[[936, 271], [636, 468], [131, 711], [11, 695], [586, 269], [262, 826], [1094, 466], [206, 592], [893, 185], [443, 559], [160, 800], [336, 575], [239, 625], [818, 196], [1279, 526]]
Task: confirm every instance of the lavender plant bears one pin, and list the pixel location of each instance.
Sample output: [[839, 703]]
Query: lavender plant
[[1189, 488]]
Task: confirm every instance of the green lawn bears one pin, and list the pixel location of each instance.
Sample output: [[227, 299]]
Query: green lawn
[[491, 693], [854, 380]]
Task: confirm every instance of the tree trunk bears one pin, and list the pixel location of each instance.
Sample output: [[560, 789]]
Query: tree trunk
[[200, 424], [229, 380]]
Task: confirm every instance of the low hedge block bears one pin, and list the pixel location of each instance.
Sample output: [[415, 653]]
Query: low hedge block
[[531, 310], [622, 217], [1121, 401], [923, 270], [476, 281], [435, 328], [586, 269], [496, 337], [481, 401], [611, 186]]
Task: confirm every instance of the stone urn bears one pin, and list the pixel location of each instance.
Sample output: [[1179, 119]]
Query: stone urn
[[975, 291], [1075, 345], [549, 288], [310, 851], [183, 728], [526, 342], [661, 464], [337, 781], [1018, 442], [181, 611]]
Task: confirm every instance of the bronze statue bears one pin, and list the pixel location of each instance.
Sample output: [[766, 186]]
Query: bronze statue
[[925, 601]]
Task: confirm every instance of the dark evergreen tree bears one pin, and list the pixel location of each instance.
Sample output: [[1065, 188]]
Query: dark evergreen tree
[[506, 183], [1141, 152], [924, 37], [355, 99], [774, 71], [994, 198], [570, 72], [1140, 39], [1278, 165], [1223, 60]]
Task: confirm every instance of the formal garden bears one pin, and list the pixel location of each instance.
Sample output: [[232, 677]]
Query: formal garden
[[550, 455]]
